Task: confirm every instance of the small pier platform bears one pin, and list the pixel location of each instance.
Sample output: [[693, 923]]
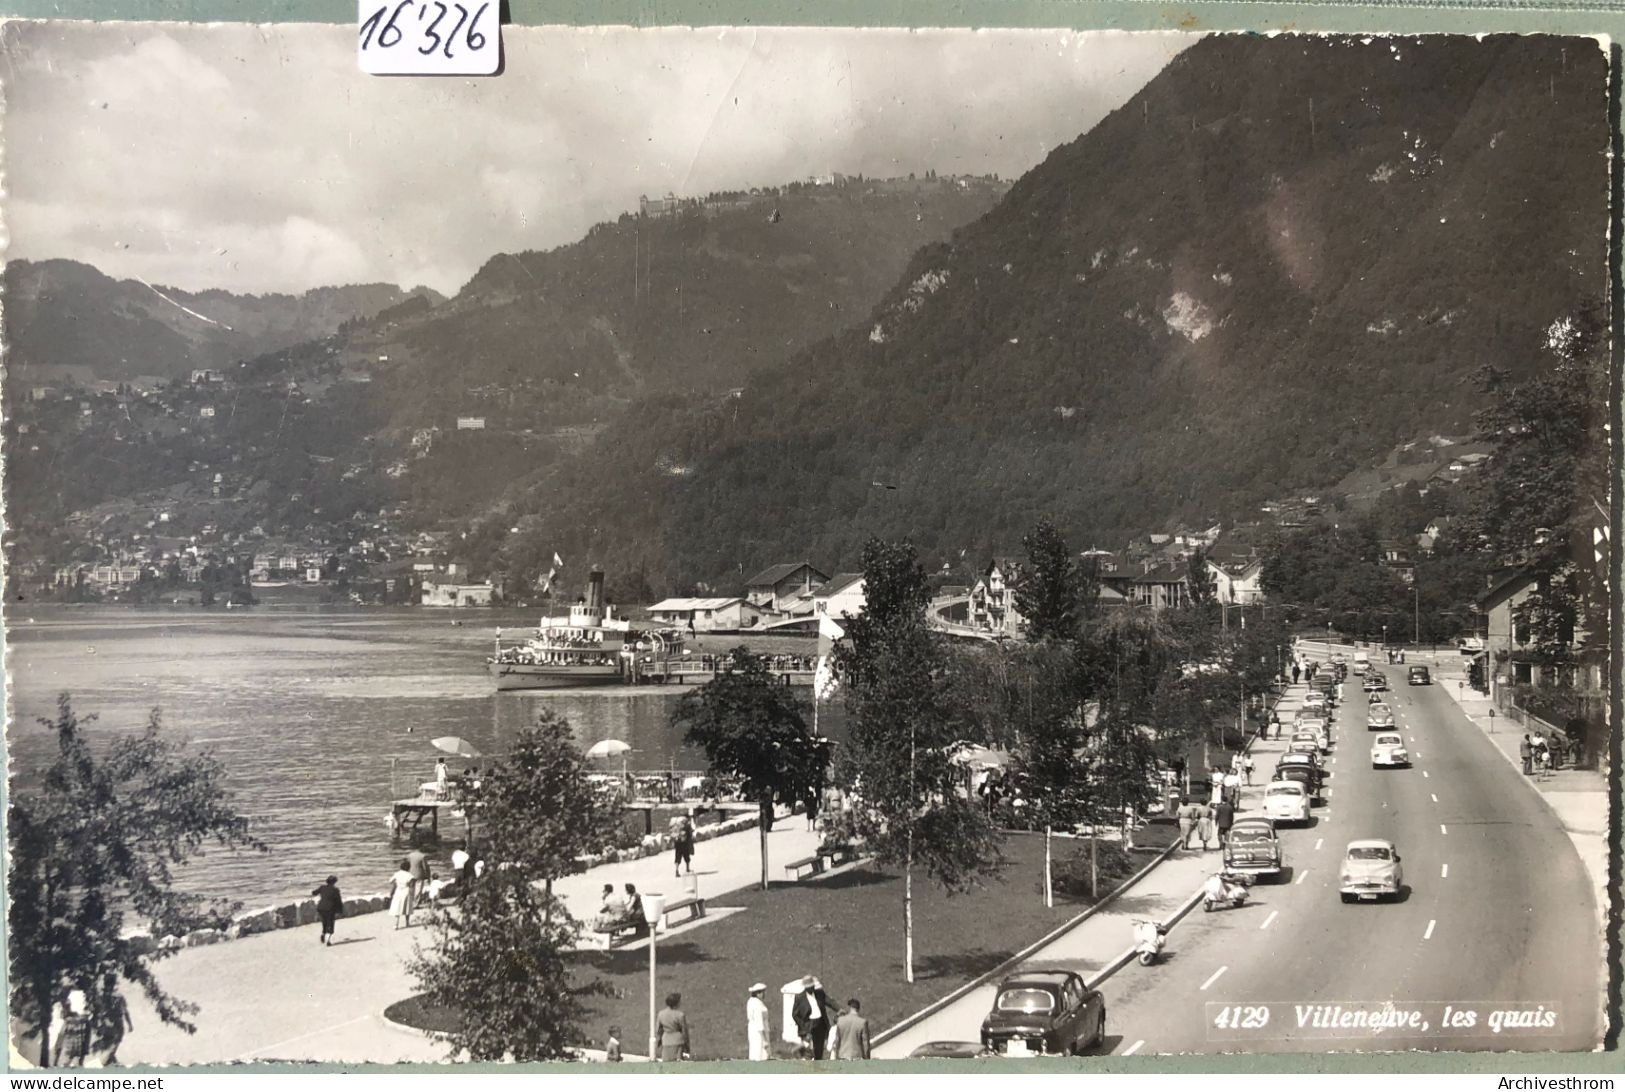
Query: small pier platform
[[690, 672], [408, 817]]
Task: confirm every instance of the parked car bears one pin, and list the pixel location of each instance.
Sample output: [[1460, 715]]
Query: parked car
[[1253, 848], [1315, 703], [1305, 737], [1045, 1012], [1303, 774], [1389, 750], [1315, 727], [1370, 870], [1378, 716], [1418, 676], [1286, 802], [948, 1048]]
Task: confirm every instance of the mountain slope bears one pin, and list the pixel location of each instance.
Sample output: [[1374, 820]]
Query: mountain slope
[[1279, 259], [67, 315]]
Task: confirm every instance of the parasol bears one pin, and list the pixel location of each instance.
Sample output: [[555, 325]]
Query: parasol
[[456, 745], [609, 748], [979, 758]]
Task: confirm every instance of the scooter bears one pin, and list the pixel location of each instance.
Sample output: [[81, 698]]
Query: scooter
[[1231, 893], [1149, 937]]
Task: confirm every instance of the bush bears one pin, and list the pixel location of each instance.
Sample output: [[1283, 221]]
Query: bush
[[1113, 864]]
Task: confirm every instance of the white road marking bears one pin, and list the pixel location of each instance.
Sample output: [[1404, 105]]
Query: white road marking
[[1444, 871], [1269, 919], [1215, 976], [1429, 934], [1304, 875], [1424, 773], [1435, 797], [1442, 830], [1319, 842], [1138, 1043]]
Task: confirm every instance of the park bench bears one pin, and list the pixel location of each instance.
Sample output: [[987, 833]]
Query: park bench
[[813, 864], [691, 903], [839, 855], [613, 931]]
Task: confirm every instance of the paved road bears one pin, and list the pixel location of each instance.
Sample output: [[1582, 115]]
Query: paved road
[[1498, 915]]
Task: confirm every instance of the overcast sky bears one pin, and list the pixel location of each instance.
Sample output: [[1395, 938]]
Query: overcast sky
[[261, 159]]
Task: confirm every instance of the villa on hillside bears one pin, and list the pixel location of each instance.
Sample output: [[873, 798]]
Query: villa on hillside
[[993, 598], [841, 597]]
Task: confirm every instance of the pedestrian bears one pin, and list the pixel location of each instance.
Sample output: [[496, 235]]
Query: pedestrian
[[671, 1031], [1297, 672], [852, 1033], [417, 863], [811, 1014], [633, 909], [756, 1023], [1187, 821], [1224, 814], [612, 1045], [1215, 786], [1204, 825], [442, 776], [329, 905], [459, 870], [1526, 751], [400, 895], [682, 844], [1247, 763], [1232, 788]]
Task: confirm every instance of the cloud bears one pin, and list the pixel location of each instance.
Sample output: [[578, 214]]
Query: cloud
[[258, 157]]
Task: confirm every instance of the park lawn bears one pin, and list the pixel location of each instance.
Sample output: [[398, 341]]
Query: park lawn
[[848, 930]]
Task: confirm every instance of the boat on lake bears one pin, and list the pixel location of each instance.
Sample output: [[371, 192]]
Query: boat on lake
[[590, 646]]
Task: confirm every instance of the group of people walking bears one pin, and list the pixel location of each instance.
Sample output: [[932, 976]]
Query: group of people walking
[[825, 1029], [1209, 823]]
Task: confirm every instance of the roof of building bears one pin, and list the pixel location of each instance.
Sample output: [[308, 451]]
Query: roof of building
[[775, 573], [838, 583], [1164, 574], [679, 604], [1504, 587]]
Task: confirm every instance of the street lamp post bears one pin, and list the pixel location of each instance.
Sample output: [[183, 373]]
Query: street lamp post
[[653, 906], [1416, 616]]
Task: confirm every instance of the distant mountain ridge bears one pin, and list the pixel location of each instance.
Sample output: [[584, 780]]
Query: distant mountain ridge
[[66, 317], [1279, 259]]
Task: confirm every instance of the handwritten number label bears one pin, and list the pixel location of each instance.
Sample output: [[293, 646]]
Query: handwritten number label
[[429, 37]]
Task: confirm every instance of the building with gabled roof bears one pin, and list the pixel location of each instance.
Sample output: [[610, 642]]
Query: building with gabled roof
[[780, 588]]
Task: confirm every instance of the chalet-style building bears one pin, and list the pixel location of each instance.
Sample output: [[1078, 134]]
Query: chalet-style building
[[785, 589]]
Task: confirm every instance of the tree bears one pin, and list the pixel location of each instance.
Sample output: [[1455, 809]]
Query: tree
[[909, 808], [751, 727], [1051, 594], [500, 962], [96, 841], [1203, 587]]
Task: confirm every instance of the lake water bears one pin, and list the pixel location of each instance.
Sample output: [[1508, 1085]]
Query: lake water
[[321, 718]]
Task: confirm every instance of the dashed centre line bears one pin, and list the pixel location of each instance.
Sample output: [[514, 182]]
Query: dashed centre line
[[1304, 875], [1428, 935], [1214, 977], [1319, 842], [1138, 1043], [1435, 797], [1424, 773], [1442, 829], [1444, 871], [1269, 919]]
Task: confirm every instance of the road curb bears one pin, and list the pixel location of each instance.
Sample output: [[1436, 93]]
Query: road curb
[[1055, 934], [1125, 957]]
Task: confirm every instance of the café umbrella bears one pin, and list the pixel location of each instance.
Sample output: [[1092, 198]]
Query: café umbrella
[[455, 745], [609, 748]]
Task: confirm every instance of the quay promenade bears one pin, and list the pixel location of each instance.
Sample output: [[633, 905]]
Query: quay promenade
[[281, 996]]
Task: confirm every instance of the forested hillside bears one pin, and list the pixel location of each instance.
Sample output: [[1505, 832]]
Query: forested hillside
[[1277, 261]]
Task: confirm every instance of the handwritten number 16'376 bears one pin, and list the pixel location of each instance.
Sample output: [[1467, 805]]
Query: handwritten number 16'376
[[377, 24]]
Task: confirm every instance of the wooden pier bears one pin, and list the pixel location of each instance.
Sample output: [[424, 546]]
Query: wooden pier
[[408, 816], [693, 672]]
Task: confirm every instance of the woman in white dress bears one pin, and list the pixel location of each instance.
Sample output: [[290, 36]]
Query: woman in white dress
[[400, 895]]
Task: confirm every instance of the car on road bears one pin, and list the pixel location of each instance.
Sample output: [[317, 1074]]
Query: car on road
[[1362, 661], [1378, 716], [1375, 682], [948, 1048], [1045, 1012], [1316, 727], [1371, 869], [1306, 776], [1253, 848], [1389, 750], [1301, 760], [1418, 676], [1286, 802]]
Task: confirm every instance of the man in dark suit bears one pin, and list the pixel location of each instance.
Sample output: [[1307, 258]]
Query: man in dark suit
[[812, 1016]]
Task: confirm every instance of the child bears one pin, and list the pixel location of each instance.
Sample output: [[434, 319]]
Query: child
[[612, 1048]]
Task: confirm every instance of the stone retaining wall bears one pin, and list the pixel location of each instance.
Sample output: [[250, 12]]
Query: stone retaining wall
[[303, 911]]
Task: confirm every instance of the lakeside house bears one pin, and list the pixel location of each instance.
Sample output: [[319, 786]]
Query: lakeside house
[[717, 614], [437, 593], [785, 589], [841, 597], [1238, 580]]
